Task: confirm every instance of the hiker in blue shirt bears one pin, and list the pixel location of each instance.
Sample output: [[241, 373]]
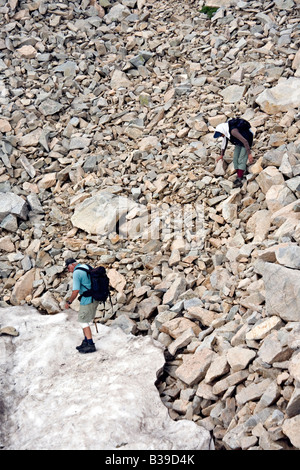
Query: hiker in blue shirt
[[88, 306]]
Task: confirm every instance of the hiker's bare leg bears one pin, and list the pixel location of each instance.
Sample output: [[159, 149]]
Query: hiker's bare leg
[[87, 332]]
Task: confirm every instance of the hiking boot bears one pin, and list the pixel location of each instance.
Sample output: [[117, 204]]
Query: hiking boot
[[82, 345], [88, 348], [238, 183]]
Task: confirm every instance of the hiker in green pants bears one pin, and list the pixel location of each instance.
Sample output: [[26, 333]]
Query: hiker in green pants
[[238, 132]]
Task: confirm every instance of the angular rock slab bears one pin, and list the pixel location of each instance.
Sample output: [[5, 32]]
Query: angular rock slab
[[62, 400], [282, 291], [100, 214], [283, 97], [13, 204]]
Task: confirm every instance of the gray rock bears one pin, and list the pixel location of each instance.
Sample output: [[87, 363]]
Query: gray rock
[[50, 107], [293, 407], [282, 291], [68, 68], [11, 204], [177, 288], [289, 256], [273, 350], [117, 13], [252, 392], [79, 142], [291, 429], [35, 204], [9, 223]]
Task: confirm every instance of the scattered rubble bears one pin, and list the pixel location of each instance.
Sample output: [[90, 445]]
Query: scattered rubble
[[107, 155]]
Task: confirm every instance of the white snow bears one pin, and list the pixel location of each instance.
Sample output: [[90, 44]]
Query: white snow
[[55, 398]]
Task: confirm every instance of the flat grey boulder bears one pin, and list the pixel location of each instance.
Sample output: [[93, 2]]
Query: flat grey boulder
[[282, 291], [283, 97], [103, 213], [13, 204]]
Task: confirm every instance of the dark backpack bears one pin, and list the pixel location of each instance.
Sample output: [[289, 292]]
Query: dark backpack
[[243, 127], [239, 123], [100, 288]]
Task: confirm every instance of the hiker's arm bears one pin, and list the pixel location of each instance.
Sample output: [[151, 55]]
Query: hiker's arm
[[244, 141], [222, 155], [224, 146], [72, 298]]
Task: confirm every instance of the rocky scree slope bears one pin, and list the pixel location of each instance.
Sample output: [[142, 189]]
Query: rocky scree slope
[[116, 102]]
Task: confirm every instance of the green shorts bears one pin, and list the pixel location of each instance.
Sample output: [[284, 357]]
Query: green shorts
[[87, 312]]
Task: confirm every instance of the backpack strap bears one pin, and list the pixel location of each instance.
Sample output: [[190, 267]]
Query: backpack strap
[[84, 269]]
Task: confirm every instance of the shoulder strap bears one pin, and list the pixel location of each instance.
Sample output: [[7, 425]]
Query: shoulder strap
[[84, 269]]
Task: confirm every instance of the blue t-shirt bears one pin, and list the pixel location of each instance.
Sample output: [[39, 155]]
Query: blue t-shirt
[[81, 282]]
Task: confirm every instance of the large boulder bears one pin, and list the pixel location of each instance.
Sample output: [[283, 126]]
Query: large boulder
[[279, 196], [103, 213], [13, 204], [268, 177], [259, 224], [283, 97], [23, 287], [282, 291]]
